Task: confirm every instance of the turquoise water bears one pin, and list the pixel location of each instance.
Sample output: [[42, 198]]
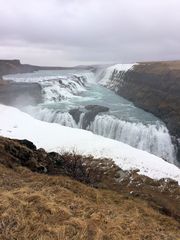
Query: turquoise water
[[99, 95], [71, 89], [93, 94]]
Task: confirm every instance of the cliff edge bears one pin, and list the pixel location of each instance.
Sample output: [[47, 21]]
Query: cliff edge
[[154, 87]]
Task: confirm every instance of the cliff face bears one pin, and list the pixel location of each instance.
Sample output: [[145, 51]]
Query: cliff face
[[20, 94], [155, 87], [14, 66]]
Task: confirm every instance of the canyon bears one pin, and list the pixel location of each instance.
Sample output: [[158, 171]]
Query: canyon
[[154, 87]]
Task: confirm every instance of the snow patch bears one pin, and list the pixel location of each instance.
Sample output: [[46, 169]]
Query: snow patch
[[54, 137], [121, 69]]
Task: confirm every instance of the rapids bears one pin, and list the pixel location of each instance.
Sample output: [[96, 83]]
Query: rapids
[[74, 89]]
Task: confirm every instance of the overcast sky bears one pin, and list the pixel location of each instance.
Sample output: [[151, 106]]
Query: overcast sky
[[72, 32]]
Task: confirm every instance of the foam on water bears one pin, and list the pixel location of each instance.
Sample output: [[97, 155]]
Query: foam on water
[[56, 86], [106, 75], [152, 138], [70, 89]]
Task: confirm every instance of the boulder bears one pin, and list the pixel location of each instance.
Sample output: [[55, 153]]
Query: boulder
[[92, 112], [75, 113]]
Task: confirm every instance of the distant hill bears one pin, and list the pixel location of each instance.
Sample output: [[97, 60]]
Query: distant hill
[[15, 66]]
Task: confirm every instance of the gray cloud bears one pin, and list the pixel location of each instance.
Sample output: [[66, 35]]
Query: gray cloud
[[68, 32]]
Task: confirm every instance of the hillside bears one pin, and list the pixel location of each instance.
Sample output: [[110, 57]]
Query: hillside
[[40, 206], [15, 66]]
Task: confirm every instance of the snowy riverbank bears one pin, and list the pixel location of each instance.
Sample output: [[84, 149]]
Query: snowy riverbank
[[54, 137]]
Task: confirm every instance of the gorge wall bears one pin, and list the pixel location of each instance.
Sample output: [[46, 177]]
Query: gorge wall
[[154, 87], [15, 66], [20, 94]]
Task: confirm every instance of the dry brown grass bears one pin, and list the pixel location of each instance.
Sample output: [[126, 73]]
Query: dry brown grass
[[39, 207], [159, 67]]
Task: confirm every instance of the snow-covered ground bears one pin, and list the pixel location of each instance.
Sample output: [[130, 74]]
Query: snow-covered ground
[[120, 69], [54, 137]]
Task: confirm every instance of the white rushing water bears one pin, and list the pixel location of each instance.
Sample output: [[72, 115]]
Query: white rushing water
[[54, 137], [153, 138], [73, 89], [56, 85]]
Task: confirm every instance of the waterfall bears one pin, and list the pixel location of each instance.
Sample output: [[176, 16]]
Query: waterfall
[[63, 88], [112, 76], [57, 88], [145, 132], [154, 138], [52, 116], [151, 138]]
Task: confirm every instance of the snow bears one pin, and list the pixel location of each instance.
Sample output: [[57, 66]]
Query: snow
[[54, 137], [105, 80]]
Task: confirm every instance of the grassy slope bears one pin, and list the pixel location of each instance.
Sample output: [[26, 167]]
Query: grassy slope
[[37, 206]]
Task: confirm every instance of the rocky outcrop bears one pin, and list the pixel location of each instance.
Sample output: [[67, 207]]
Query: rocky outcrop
[[14, 66], [90, 112], [75, 113], [155, 87], [20, 94], [96, 108], [163, 194], [15, 153]]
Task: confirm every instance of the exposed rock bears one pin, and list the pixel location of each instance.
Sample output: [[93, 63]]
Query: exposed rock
[[85, 169], [155, 87], [28, 144], [93, 111], [20, 94], [14, 66], [40, 206], [163, 194], [80, 80], [90, 112], [75, 113], [97, 108]]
